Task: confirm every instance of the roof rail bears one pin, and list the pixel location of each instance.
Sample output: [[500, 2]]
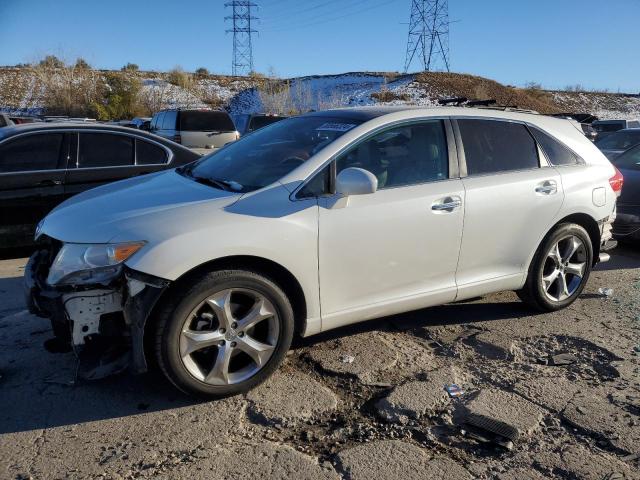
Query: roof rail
[[458, 101], [480, 103]]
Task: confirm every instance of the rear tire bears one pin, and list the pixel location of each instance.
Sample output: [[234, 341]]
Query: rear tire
[[560, 269], [224, 334]]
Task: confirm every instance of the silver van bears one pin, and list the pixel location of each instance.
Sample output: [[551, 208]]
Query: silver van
[[201, 130]]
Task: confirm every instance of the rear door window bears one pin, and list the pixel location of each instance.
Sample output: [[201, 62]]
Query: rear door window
[[492, 146], [206, 121], [31, 152], [555, 151], [148, 153], [105, 150]]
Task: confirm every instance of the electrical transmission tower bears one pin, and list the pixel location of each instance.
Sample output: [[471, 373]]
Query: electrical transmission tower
[[241, 19], [428, 35]]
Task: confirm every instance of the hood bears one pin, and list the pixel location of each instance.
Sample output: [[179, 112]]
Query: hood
[[139, 208]]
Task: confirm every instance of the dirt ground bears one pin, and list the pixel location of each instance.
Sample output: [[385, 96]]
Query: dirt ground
[[545, 396]]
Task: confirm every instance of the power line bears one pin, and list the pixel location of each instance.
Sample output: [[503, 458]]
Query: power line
[[428, 35], [242, 30], [289, 12], [334, 18]]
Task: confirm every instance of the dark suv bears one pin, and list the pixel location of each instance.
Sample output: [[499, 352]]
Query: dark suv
[[43, 164]]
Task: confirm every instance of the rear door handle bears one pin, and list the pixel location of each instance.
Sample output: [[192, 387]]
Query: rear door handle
[[49, 183], [548, 187], [447, 204]]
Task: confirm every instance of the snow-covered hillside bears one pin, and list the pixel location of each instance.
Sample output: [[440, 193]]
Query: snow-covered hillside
[[21, 91]]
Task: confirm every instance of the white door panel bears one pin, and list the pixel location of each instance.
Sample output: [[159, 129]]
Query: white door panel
[[390, 245], [505, 217]]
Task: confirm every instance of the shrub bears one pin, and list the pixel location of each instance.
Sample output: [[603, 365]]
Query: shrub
[[130, 67], [386, 95], [180, 78], [120, 97], [202, 72], [51, 61], [82, 64]]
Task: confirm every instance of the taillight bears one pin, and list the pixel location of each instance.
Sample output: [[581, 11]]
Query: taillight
[[177, 138], [616, 182]]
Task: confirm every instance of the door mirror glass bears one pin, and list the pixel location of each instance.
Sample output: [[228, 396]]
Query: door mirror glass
[[356, 181]]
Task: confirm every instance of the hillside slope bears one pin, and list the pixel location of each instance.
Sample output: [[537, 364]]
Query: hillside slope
[[22, 91]]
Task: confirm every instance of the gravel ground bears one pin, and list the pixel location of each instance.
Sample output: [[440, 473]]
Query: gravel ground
[[361, 402]]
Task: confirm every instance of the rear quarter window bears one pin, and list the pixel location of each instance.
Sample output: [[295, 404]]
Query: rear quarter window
[[557, 153], [493, 146], [206, 121], [148, 153]]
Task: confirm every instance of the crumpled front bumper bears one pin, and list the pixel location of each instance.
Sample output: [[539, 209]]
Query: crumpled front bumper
[[104, 324]]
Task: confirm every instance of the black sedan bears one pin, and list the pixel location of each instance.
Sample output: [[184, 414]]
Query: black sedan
[[43, 164], [627, 224]]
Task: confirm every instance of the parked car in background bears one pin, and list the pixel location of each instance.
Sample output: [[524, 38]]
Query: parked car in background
[[5, 121], [317, 222], [21, 120], [247, 123], [141, 123], [627, 224], [604, 128], [201, 130], [584, 120], [616, 143], [42, 164]]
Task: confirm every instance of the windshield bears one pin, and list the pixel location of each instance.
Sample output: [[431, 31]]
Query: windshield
[[620, 140], [629, 160], [268, 154]]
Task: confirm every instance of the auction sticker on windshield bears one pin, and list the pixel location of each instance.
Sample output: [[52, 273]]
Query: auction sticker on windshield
[[336, 127]]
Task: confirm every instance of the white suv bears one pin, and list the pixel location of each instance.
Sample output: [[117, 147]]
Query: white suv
[[316, 222]]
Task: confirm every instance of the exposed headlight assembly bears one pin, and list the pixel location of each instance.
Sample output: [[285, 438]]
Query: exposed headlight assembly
[[82, 263]]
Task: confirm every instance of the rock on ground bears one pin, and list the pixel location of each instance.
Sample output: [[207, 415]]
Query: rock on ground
[[503, 413], [291, 396], [258, 462], [393, 460], [553, 393], [593, 412], [418, 398], [370, 352]]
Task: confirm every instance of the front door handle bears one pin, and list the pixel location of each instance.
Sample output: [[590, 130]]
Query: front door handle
[[447, 204], [548, 187]]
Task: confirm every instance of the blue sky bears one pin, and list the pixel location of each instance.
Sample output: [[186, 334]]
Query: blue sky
[[554, 42]]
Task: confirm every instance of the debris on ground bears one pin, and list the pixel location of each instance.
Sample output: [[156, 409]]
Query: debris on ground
[[605, 292], [562, 359], [503, 413], [454, 390], [347, 358]]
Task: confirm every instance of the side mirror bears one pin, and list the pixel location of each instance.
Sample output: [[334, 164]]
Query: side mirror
[[356, 181]]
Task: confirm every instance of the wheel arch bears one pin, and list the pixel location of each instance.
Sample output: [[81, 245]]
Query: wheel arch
[[273, 270], [587, 222]]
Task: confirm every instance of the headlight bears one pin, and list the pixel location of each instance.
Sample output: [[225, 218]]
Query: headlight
[[79, 264]]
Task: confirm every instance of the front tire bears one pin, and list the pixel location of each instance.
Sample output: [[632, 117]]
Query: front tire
[[560, 269], [227, 333]]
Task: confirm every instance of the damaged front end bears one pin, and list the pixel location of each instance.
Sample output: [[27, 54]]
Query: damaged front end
[[102, 322]]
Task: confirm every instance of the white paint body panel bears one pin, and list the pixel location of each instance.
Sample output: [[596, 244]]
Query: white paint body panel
[[381, 254]]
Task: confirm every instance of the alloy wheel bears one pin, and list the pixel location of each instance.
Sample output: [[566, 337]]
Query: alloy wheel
[[229, 336], [564, 268]]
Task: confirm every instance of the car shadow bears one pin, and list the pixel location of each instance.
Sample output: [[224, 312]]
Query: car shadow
[[623, 257], [463, 313]]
